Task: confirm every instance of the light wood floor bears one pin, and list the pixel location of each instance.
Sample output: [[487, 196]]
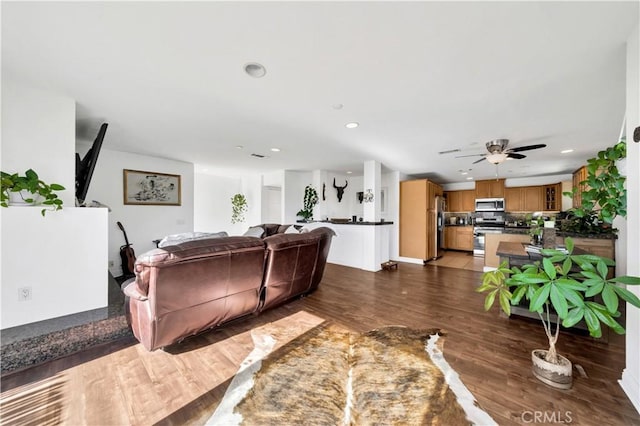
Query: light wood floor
[[460, 259], [123, 384]]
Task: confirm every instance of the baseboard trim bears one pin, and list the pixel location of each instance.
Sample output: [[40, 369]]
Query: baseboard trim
[[631, 386]]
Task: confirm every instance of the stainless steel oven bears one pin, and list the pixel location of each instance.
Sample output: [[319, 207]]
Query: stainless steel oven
[[479, 233]]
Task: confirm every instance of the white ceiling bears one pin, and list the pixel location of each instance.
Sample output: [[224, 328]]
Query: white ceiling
[[419, 77]]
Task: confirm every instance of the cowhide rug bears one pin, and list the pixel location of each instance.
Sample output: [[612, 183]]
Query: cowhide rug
[[329, 376]]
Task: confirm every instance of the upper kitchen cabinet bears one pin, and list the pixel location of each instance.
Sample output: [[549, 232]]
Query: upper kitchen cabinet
[[461, 201], [579, 175], [493, 188], [524, 199], [552, 197]]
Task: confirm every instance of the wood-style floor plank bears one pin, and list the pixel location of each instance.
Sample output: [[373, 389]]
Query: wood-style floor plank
[[183, 384]]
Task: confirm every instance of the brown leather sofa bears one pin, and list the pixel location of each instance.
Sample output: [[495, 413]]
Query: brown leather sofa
[[184, 289]]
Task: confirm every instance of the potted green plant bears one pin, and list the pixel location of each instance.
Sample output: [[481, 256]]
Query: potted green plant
[[606, 195], [239, 207], [309, 201], [567, 286], [29, 189]]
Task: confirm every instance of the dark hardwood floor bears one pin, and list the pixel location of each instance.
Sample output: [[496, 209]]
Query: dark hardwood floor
[[122, 383]]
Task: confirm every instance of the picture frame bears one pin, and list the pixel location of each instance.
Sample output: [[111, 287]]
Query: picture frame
[[151, 188]]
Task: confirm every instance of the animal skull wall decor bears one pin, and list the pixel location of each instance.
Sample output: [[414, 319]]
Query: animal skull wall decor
[[340, 189]]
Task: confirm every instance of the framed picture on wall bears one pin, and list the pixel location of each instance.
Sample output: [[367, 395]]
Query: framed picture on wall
[[151, 188]]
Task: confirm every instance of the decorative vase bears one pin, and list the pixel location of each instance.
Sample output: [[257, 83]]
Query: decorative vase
[[558, 376]]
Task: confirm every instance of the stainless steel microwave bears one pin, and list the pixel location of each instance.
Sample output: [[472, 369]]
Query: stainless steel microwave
[[489, 204]]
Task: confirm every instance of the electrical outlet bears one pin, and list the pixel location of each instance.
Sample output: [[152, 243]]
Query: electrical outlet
[[111, 264], [24, 294]]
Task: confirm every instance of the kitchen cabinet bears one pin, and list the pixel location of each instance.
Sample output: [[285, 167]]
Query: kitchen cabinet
[[464, 238], [468, 200], [579, 175], [493, 188], [418, 218], [458, 237], [552, 197], [461, 201], [524, 199]]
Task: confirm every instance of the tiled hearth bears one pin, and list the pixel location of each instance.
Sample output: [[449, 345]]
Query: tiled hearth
[[35, 343]]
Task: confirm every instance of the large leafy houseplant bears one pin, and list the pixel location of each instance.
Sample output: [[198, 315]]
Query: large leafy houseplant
[[575, 286], [31, 189], [309, 201], [605, 192]]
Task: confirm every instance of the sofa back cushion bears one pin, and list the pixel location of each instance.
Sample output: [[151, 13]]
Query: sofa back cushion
[[198, 284], [291, 262]]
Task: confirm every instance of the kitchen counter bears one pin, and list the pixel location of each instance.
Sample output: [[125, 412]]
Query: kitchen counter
[[447, 224], [348, 223]]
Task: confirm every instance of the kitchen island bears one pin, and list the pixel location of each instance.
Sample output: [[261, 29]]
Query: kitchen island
[[363, 245]]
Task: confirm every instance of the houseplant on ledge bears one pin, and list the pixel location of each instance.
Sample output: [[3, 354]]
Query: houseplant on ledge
[[29, 189], [563, 282], [309, 201]]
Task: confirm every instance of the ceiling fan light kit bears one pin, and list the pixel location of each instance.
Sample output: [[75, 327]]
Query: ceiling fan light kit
[[496, 158]]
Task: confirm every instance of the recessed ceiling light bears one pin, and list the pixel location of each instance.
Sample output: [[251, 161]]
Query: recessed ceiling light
[[255, 70], [275, 149], [351, 125], [239, 147], [566, 151], [349, 172], [470, 178], [464, 173], [337, 106]]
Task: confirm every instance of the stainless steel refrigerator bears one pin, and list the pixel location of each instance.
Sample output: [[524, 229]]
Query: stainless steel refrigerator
[[439, 223]]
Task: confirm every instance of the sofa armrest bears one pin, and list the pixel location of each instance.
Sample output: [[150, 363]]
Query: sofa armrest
[[131, 290]]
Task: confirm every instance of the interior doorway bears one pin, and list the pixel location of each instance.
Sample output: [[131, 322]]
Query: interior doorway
[[271, 204]]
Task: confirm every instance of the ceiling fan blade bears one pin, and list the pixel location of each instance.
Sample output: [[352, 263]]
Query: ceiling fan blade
[[471, 155], [477, 161], [516, 156], [527, 148], [450, 151]]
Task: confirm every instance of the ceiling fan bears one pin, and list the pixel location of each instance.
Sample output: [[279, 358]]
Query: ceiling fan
[[498, 151]]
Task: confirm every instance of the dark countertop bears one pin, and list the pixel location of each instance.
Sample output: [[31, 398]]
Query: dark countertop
[[469, 225], [516, 250], [349, 223]]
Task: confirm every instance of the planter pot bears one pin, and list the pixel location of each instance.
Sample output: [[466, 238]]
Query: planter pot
[[17, 198], [555, 375]]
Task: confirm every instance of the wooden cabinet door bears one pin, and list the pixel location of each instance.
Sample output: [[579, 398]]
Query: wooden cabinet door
[[449, 237], [483, 189], [579, 175], [467, 200], [496, 188], [512, 199], [552, 197], [453, 201], [464, 240], [493, 188], [413, 218], [532, 199]]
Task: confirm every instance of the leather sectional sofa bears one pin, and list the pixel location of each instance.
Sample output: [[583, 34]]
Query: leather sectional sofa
[[181, 290]]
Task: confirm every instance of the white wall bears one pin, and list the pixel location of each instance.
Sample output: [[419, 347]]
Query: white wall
[[631, 375], [61, 257], [143, 224], [391, 182], [293, 193], [212, 204]]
